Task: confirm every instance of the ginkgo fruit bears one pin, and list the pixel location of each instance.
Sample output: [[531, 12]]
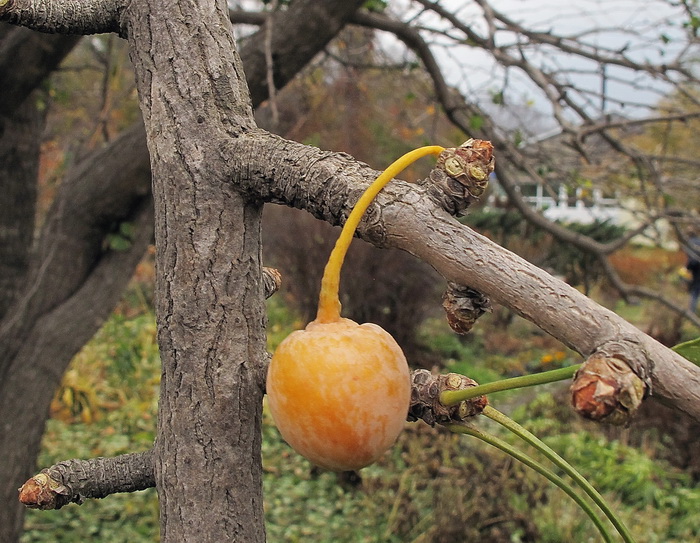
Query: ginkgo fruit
[[339, 391]]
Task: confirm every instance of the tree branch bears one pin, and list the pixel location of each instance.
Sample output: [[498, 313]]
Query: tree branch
[[404, 216], [459, 113], [72, 481], [72, 238], [64, 16]]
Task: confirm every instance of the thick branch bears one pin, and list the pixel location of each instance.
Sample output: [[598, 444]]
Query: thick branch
[[327, 184], [63, 16], [72, 481]]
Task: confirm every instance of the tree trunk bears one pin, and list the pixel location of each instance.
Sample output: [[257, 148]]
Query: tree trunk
[[19, 154], [56, 334], [70, 291], [209, 291], [19, 164]]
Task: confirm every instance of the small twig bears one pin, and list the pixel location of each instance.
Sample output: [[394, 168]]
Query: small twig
[[72, 481], [270, 67]]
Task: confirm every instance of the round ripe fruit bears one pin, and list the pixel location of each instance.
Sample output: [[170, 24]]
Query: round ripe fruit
[[339, 392]]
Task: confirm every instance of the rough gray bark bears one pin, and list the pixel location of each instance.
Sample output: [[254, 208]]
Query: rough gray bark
[[65, 16], [74, 481], [209, 295]]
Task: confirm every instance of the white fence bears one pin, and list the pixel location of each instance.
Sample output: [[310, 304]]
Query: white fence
[[586, 207], [577, 208]]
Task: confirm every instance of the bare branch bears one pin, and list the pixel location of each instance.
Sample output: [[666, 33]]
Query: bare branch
[[73, 481], [327, 184], [64, 16], [512, 158]]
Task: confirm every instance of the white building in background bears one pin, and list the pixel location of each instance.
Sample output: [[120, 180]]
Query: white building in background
[[577, 209], [561, 199], [587, 207]]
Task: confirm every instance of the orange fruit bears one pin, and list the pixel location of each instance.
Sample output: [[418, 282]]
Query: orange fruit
[[339, 393]]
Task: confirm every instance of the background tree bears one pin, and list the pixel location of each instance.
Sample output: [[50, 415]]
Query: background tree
[[199, 189]]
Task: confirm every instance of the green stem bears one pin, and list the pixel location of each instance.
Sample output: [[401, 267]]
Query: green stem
[[540, 468], [547, 451], [453, 397]]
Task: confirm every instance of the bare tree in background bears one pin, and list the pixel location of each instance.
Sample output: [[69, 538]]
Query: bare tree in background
[[212, 168]]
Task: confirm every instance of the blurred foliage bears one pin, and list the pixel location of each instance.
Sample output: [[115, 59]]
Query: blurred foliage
[[410, 495]]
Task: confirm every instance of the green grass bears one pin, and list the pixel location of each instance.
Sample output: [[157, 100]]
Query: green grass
[[106, 406]]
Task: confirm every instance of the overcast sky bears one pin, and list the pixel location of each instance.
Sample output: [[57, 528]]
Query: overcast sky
[[648, 30]]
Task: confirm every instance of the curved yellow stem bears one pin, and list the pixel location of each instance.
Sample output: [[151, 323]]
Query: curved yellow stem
[[329, 303]]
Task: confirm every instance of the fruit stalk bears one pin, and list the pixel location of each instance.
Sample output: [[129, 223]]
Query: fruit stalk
[[329, 302]]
